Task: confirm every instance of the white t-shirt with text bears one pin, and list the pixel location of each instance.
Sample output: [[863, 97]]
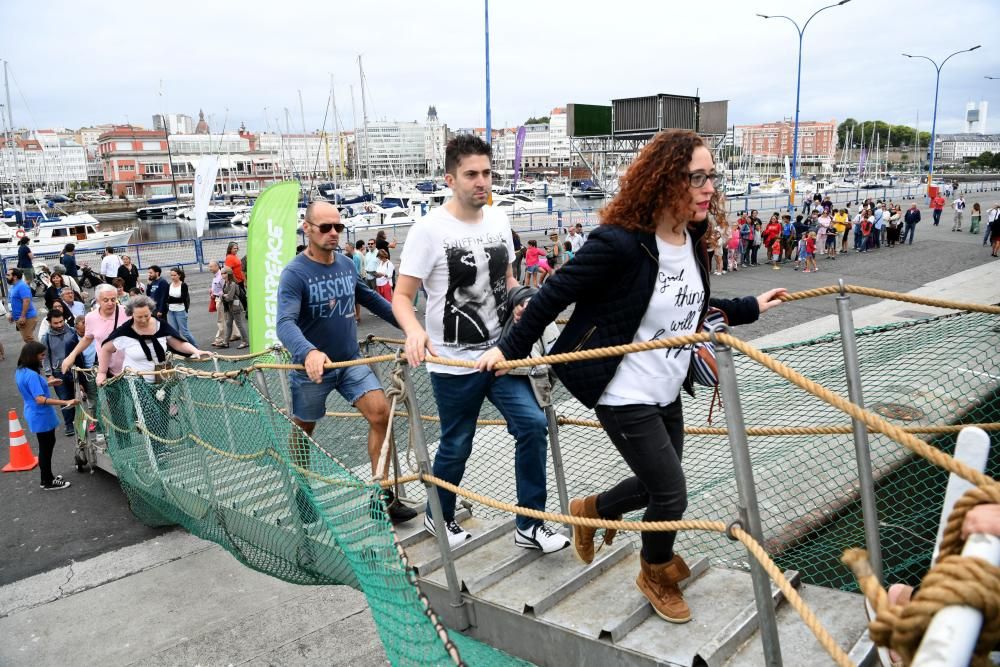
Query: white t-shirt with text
[[655, 377], [463, 267]]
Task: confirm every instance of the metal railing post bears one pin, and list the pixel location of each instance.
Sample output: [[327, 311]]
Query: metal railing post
[[748, 509], [862, 451], [557, 461], [424, 467]]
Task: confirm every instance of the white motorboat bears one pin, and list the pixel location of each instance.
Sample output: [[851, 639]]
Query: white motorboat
[[518, 203], [51, 236]]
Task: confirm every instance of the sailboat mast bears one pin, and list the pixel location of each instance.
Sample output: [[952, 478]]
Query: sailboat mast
[[336, 130], [166, 134], [11, 142], [357, 153], [364, 118]]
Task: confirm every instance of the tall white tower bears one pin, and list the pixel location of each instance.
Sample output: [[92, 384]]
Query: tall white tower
[[975, 117]]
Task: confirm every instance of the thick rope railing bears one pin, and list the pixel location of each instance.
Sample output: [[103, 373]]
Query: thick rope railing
[[953, 580], [903, 435]]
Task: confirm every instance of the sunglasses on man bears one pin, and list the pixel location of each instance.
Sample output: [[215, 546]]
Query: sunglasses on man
[[325, 227]]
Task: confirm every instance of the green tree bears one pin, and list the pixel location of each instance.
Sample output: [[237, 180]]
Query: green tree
[[844, 128], [533, 120], [903, 135], [995, 161]]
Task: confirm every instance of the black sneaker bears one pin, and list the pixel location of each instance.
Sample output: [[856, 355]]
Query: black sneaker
[[55, 485], [69, 432], [397, 512]]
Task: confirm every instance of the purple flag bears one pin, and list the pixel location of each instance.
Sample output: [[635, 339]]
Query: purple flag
[[861, 161], [518, 149]]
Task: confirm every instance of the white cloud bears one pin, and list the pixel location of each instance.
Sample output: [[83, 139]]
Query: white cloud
[[104, 64]]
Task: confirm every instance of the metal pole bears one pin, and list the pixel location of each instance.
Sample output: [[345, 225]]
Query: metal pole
[[795, 138], [424, 467], [930, 167], [748, 508], [557, 461], [862, 451]]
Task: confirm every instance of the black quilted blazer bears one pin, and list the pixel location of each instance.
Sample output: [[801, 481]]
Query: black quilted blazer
[[611, 280]]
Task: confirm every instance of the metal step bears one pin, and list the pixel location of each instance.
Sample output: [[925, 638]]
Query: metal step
[[544, 583], [425, 557], [842, 614]]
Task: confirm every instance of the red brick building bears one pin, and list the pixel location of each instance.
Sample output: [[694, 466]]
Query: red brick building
[[774, 141], [136, 163]]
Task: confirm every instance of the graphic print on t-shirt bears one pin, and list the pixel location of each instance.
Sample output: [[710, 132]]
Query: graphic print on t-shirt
[[476, 297]]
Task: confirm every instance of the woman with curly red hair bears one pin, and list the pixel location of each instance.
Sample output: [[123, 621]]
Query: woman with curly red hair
[[642, 275]]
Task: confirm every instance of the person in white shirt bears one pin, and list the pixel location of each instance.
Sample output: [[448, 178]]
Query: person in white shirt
[[461, 252], [959, 206], [109, 264], [575, 238]]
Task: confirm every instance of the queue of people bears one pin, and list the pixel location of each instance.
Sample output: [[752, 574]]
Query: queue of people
[[822, 231]]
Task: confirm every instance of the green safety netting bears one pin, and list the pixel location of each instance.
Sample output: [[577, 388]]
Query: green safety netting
[[219, 457]]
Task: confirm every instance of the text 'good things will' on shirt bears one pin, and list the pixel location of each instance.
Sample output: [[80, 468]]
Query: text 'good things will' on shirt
[[655, 377], [463, 267]]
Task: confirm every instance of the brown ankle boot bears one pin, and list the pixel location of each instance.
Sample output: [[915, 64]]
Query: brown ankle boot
[[659, 584], [583, 537]]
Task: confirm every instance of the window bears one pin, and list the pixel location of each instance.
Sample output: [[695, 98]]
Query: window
[[151, 146], [123, 145], [153, 168]]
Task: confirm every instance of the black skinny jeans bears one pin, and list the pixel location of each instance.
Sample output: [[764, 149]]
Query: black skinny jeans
[[46, 443], [651, 440]]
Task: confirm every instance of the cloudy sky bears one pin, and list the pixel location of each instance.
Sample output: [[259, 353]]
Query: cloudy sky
[[78, 64]]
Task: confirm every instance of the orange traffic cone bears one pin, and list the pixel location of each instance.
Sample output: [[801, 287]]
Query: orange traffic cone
[[21, 458]]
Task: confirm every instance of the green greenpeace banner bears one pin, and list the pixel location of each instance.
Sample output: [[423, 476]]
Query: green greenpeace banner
[[271, 245]]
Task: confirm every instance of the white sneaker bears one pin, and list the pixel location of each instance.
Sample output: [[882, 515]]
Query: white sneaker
[[541, 537], [456, 534]]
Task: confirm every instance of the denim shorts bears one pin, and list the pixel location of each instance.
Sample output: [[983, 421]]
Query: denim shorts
[[309, 398]]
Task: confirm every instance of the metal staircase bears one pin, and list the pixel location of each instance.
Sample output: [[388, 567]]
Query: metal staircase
[[554, 610]]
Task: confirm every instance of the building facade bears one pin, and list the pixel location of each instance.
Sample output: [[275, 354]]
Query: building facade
[[137, 163], [958, 147], [47, 160], [391, 149], [773, 142], [174, 123], [302, 156]]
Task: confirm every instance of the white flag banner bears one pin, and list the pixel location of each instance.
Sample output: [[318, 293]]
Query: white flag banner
[[204, 187]]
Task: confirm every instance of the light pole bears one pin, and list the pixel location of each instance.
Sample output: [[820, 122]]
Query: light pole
[[798, 90], [937, 85]]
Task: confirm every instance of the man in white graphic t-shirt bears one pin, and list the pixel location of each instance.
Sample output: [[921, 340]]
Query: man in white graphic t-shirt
[[462, 252]]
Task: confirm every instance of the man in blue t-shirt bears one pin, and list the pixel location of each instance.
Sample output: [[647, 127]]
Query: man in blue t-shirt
[[68, 259], [316, 298], [22, 310], [158, 289]]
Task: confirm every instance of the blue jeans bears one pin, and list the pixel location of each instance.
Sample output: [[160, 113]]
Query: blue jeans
[[178, 319], [910, 228], [459, 399]]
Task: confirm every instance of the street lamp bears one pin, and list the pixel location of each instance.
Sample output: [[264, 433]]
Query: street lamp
[[937, 84], [798, 90]]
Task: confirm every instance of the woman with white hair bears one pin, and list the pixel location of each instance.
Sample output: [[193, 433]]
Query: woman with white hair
[[142, 341], [100, 322]]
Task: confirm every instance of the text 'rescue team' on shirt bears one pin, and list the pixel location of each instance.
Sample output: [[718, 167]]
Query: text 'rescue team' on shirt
[[464, 268], [316, 308]]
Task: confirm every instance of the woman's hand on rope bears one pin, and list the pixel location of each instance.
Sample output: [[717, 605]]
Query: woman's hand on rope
[[770, 298], [490, 358], [101, 379], [982, 519], [314, 363], [418, 344]]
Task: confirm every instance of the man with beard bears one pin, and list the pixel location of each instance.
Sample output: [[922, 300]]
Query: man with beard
[[462, 254]]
